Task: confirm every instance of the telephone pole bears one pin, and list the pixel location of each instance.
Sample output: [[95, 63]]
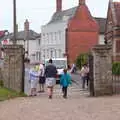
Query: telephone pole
[[14, 21]]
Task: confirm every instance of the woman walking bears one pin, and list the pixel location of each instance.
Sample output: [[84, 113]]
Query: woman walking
[[34, 76]]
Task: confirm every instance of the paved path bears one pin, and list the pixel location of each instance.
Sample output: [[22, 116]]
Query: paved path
[[77, 107]]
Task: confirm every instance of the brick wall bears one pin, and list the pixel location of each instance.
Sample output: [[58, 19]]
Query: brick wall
[[82, 33], [80, 42]]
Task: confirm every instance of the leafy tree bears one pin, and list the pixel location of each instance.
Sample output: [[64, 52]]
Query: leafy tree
[[116, 68], [81, 60]]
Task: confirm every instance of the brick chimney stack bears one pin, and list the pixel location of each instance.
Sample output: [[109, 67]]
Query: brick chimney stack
[[58, 5], [26, 25], [82, 2]]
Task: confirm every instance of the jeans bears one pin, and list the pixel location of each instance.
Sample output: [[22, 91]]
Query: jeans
[[84, 80]]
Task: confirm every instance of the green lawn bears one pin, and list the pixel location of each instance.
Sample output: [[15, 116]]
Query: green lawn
[[6, 94]]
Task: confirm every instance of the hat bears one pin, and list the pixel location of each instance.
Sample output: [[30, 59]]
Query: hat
[[36, 68]]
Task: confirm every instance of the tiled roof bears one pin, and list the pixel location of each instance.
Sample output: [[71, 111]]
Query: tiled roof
[[58, 17], [21, 35]]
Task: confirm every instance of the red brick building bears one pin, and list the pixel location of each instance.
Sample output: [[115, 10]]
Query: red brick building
[[112, 30], [82, 33]]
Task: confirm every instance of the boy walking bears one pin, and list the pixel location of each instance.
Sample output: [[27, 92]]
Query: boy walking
[[65, 81]]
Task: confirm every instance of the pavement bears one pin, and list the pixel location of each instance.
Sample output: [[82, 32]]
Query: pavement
[[78, 106]]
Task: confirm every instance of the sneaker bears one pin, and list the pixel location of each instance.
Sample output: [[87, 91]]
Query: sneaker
[[64, 96], [50, 96]]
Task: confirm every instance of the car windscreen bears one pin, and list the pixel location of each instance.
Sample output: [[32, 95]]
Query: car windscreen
[[60, 64]]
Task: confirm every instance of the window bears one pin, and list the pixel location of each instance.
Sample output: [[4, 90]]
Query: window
[[51, 38], [59, 36], [55, 37], [39, 41], [47, 38], [118, 46]]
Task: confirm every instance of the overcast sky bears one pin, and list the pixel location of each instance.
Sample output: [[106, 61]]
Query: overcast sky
[[39, 12]]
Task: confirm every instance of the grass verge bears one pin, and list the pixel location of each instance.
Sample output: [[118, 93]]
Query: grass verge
[[6, 94]]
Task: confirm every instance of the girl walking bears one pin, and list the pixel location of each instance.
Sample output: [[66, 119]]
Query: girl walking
[[65, 81]]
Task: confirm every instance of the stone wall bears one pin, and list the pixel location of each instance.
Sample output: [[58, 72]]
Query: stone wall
[[102, 68], [13, 67]]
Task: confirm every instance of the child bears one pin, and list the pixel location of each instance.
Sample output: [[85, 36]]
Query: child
[[34, 77], [65, 81]]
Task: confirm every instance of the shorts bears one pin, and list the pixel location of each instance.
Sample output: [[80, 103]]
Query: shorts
[[50, 82], [34, 83], [42, 80]]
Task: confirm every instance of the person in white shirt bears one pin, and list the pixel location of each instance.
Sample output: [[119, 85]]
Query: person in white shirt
[[84, 72], [41, 77]]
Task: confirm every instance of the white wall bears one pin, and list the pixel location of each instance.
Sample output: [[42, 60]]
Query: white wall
[[53, 40], [34, 48], [101, 39]]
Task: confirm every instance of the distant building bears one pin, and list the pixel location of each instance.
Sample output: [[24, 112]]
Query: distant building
[[71, 32], [112, 30], [30, 41], [33, 41]]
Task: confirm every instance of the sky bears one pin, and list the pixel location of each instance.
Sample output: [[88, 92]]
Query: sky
[[39, 12]]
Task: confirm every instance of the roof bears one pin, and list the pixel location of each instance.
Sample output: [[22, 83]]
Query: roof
[[58, 17], [21, 35]]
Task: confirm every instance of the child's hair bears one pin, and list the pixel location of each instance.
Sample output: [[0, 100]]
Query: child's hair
[[65, 70]]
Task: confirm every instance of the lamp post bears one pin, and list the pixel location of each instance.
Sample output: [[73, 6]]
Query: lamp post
[[14, 21]]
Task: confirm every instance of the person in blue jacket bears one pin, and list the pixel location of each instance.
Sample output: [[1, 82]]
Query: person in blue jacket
[[65, 81]]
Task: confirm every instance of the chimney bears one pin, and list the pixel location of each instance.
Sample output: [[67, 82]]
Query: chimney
[[58, 5], [16, 28], [26, 25], [82, 2]]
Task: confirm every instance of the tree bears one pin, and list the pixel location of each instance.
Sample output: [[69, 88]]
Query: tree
[[81, 60]]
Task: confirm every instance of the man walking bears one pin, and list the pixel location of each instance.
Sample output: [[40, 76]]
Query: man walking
[[50, 74]]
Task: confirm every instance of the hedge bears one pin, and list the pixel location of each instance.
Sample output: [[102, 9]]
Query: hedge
[[116, 68]]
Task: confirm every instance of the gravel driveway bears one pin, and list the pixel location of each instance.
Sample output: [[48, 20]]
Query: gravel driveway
[[76, 107]]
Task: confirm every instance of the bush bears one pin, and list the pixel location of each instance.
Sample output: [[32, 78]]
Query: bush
[[116, 68], [6, 94], [81, 60], [1, 83]]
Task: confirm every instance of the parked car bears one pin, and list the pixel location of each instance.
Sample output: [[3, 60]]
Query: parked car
[[61, 64]]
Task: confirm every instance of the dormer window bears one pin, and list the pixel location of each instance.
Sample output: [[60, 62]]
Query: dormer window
[[65, 18]]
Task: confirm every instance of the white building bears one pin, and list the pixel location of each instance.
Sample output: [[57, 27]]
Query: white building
[[31, 44], [53, 40]]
